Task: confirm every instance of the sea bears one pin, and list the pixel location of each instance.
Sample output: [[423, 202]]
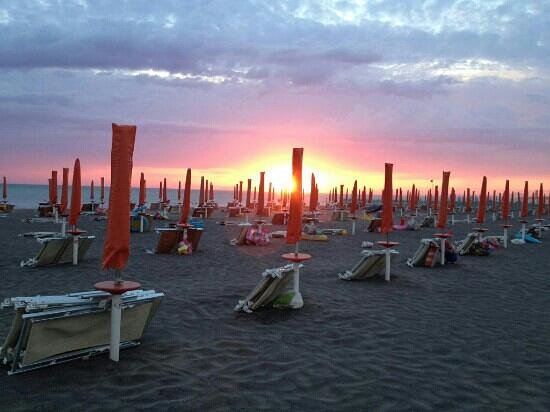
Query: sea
[[25, 196]]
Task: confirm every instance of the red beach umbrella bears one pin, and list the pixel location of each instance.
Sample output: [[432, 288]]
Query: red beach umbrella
[[260, 208], [141, 200], [436, 198], [201, 193], [186, 198], [364, 196], [116, 249], [525, 206], [102, 189], [206, 191], [240, 192], [506, 201], [269, 193], [468, 201], [76, 195], [442, 218], [482, 202], [179, 191], [64, 191], [92, 194], [387, 206], [4, 189], [248, 190], [312, 203], [294, 227], [164, 192], [160, 191], [211, 191], [54, 187], [341, 202], [453, 200], [412, 205], [540, 205], [354, 198]]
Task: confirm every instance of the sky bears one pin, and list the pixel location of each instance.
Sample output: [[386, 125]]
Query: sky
[[229, 87]]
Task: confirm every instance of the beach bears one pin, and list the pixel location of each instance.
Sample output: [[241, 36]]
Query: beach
[[467, 336]]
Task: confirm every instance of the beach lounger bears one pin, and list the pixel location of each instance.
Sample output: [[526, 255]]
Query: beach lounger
[[58, 250], [171, 236], [334, 232], [48, 330], [371, 264], [427, 254], [135, 223], [463, 247], [427, 222], [270, 287]]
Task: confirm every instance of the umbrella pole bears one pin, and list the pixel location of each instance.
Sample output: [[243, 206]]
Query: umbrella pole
[[523, 232], [75, 247], [353, 226], [297, 301], [388, 259], [141, 223], [505, 238], [63, 227], [55, 214], [116, 315]]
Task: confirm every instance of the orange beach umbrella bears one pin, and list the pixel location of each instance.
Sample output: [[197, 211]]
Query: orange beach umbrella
[[4, 189], [506, 201], [76, 195], [201, 193], [442, 219], [354, 198], [482, 202], [141, 200], [64, 191], [248, 192], [525, 200], [387, 204], [102, 189], [294, 228], [260, 208], [116, 249], [186, 198], [540, 205]]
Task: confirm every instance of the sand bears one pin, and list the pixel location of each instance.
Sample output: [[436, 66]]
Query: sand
[[473, 335]]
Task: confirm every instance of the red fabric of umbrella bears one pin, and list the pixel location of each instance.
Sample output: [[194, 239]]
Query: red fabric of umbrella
[[387, 204], [116, 249], [64, 191], [186, 198], [540, 205], [506, 201], [354, 198], [442, 217], [482, 202], [76, 195], [260, 208], [525, 200], [294, 228]]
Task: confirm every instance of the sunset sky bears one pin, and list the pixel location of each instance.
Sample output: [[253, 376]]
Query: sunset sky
[[229, 87]]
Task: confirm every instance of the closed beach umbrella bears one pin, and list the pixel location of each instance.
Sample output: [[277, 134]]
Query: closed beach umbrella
[[64, 191], [341, 202], [76, 195], [116, 249], [436, 198], [413, 199], [387, 205], [294, 227], [525, 206], [482, 202], [506, 201], [102, 190], [141, 200], [260, 208], [179, 191], [269, 193], [92, 194], [164, 192], [540, 205], [241, 191], [54, 187], [442, 218], [206, 191], [453, 200], [201, 192], [312, 203], [248, 192], [160, 191], [354, 198], [4, 189], [186, 198], [211, 191]]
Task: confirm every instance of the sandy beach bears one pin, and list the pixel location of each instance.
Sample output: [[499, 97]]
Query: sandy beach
[[469, 336]]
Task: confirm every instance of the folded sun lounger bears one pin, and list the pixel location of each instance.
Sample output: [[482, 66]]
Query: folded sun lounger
[[58, 250], [47, 330], [273, 283], [371, 264]]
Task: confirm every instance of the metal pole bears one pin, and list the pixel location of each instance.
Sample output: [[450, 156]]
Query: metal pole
[[442, 251], [388, 265], [505, 238], [75, 249], [116, 315]]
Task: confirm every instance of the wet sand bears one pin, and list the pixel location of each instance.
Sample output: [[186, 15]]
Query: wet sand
[[469, 336]]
